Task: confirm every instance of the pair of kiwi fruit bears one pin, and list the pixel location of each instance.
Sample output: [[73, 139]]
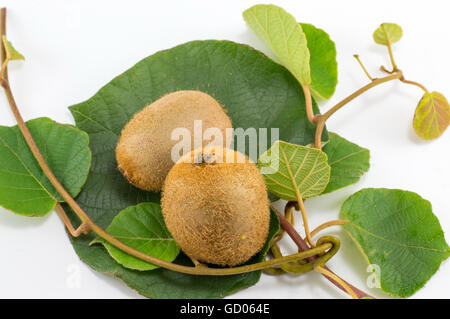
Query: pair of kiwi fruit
[[214, 199]]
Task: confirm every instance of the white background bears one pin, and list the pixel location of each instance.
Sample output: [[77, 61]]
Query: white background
[[72, 48]]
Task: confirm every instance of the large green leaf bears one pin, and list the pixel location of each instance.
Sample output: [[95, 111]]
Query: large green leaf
[[348, 162], [432, 116], [141, 227], [256, 91], [292, 170], [397, 231], [24, 189], [280, 31], [387, 33], [323, 62]]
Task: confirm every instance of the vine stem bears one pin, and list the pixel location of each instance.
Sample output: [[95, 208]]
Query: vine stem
[[382, 68], [321, 119], [330, 274], [415, 83], [89, 225], [305, 222], [389, 46], [303, 246], [308, 102], [82, 229], [337, 222]]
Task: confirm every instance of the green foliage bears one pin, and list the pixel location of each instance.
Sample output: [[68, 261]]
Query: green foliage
[[397, 231], [24, 189], [432, 116], [281, 32], [141, 227], [322, 62], [293, 171], [348, 162], [387, 33]]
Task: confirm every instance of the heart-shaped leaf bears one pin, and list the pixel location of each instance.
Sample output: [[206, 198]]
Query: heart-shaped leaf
[[256, 92], [281, 32], [322, 62], [24, 189], [292, 171], [397, 231], [387, 33], [348, 162], [141, 227], [432, 116]]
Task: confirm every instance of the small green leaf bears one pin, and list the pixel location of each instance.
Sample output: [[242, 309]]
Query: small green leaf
[[348, 162], [397, 231], [24, 189], [291, 170], [11, 53], [322, 62], [432, 116], [141, 227], [281, 32], [387, 33]]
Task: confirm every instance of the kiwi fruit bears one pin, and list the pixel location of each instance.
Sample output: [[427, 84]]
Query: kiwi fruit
[[143, 152], [216, 209]]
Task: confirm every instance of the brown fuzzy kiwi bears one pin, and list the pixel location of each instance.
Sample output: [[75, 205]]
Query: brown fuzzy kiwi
[[144, 150], [216, 210]]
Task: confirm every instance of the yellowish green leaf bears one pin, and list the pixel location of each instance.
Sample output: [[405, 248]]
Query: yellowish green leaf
[[292, 170], [432, 116], [281, 32], [387, 33]]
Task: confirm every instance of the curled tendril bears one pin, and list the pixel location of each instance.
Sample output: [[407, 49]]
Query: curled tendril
[[301, 268]]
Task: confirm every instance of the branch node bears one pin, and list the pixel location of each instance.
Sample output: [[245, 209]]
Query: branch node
[[84, 229]]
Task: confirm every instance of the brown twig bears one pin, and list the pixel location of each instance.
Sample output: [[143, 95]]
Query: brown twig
[[2, 33], [414, 83], [308, 102], [83, 229], [319, 228], [323, 118]]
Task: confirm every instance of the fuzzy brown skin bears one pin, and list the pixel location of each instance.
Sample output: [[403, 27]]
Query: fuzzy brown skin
[[217, 212], [144, 150]]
